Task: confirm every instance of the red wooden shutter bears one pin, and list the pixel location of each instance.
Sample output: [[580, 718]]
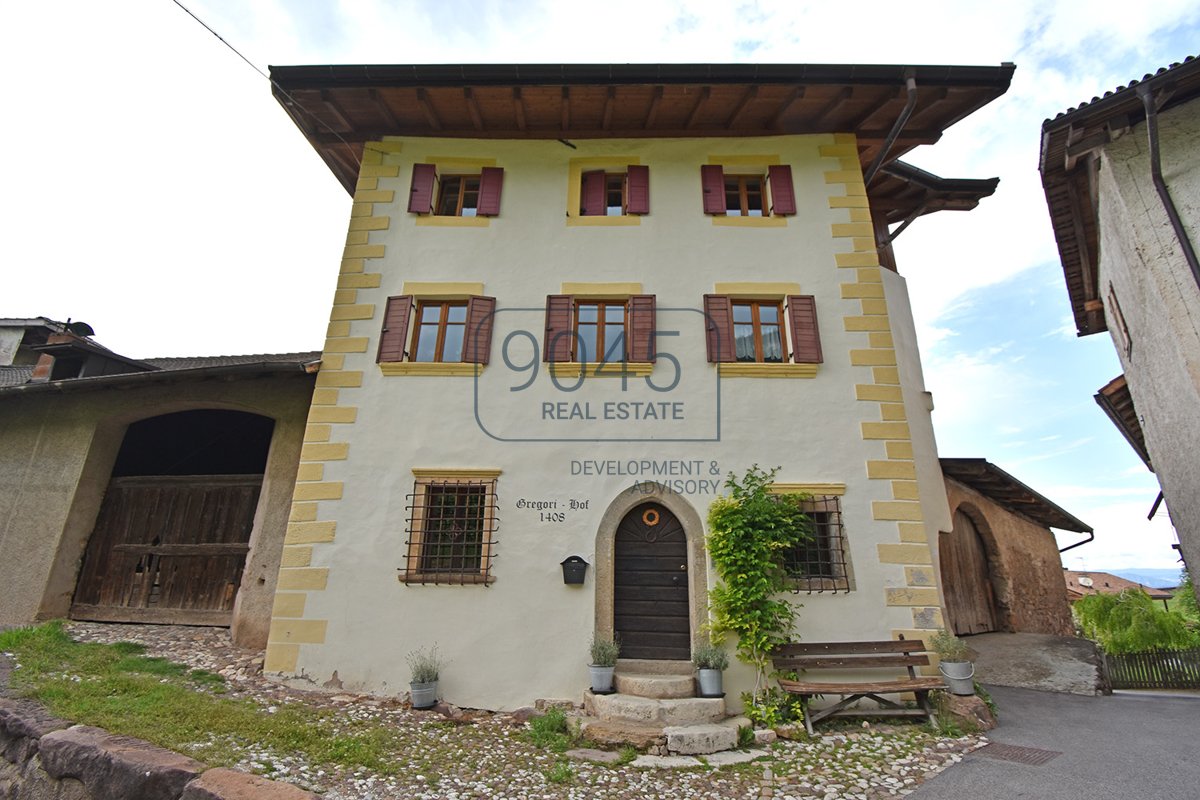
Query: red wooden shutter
[[592, 200], [394, 336], [783, 193], [420, 194], [712, 180], [637, 189], [806, 338], [491, 180], [559, 336], [640, 336], [718, 327], [481, 313]]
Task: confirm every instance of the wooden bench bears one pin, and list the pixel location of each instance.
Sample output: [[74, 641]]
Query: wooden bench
[[855, 656]]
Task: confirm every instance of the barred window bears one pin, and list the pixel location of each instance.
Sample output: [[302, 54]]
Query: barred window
[[451, 532], [822, 563]]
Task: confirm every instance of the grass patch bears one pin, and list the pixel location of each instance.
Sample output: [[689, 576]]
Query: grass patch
[[550, 731], [117, 688], [560, 773], [627, 755]]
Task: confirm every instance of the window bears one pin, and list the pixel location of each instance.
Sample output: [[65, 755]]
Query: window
[[446, 331], [455, 195], [595, 331], [752, 193], [751, 331], [451, 532], [821, 564], [757, 335], [615, 193]]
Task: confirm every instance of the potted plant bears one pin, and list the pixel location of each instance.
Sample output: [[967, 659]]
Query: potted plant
[[710, 661], [604, 663], [955, 662], [424, 666]]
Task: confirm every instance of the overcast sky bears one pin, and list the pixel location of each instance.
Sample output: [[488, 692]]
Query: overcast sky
[[155, 189]]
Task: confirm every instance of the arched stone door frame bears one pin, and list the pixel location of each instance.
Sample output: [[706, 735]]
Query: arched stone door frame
[[693, 529]]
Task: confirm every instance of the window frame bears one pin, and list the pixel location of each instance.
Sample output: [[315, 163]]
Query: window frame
[[601, 323], [741, 181], [463, 179], [416, 569], [443, 324], [830, 545], [756, 322]]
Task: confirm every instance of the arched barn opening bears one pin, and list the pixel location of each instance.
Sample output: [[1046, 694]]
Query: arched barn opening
[[172, 534], [966, 579]]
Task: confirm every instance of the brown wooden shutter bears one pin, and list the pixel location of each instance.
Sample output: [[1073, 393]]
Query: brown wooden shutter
[[592, 200], [559, 336], [718, 327], [394, 336], [641, 328], [481, 313], [637, 189], [491, 180], [783, 192], [712, 180], [806, 338], [420, 194]]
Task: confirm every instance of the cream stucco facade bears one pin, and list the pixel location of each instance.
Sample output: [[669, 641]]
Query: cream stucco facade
[[855, 426]]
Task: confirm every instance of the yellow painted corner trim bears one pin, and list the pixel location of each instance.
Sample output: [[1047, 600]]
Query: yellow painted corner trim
[[442, 290], [814, 489], [744, 160], [573, 369], [749, 222], [599, 290], [624, 220], [748, 370], [471, 472], [437, 221], [756, 290], [455, 369]]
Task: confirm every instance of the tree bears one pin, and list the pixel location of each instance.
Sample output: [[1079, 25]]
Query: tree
[[1130, 622]]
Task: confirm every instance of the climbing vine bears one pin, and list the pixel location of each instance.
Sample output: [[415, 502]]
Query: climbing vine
[[751, 531]]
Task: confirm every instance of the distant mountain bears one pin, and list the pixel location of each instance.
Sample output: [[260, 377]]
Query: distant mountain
[[1154, 578]]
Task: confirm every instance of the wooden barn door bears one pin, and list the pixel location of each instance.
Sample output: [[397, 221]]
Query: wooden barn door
[[965, 579], [650, 585], [168, 549]]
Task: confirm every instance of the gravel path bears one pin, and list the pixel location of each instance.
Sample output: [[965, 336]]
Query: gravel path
[[484, 755]]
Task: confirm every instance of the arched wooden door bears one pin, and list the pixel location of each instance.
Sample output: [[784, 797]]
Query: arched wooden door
[[650, 585], [967, 584]]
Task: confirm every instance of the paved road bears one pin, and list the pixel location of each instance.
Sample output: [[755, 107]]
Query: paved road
[[1124, 747]]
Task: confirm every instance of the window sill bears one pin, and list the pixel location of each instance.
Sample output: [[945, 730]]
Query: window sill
[[573, 369], [747, 370], [444, 579], [822, 585], [750, 222], [598, 221], [453, 222], [456, 369]]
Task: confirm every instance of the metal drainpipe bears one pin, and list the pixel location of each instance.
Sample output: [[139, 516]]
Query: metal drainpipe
[[1185, 243], [910, 83], [1091, 536]]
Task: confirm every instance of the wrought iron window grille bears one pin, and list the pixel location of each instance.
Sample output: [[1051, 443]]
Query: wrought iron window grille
[[820, 564], [452, 527]]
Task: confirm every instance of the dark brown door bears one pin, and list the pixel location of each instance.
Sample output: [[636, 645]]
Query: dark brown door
[[650, 591], [168, 549], [965, 579]]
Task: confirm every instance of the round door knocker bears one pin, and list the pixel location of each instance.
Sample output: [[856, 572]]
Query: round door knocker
[[650, 517]]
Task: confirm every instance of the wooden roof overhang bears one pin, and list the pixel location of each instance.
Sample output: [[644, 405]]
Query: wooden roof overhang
[[1117, 402], [340, 108], [997, 485], [131, 380], [1069, 164], [903, 192]]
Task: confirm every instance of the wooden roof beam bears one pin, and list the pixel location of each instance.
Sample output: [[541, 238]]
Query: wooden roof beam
[[844, 94], [606, 123], [566, 107], [704, 95], [384, 110], [518, 107], [427, 109], [747, 98], [796, 94], [652, 112], [884, 101], [473, 108], [333, 108]]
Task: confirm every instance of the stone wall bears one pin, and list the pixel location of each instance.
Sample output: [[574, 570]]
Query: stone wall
[[43, 758], [1023, 563]]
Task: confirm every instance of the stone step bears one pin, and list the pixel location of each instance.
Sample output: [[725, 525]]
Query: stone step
[[615, 733], [656, 686], [654, 666], [646, 710], [692, 740]]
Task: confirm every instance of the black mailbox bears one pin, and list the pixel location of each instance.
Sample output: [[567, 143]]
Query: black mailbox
[[574, 568]]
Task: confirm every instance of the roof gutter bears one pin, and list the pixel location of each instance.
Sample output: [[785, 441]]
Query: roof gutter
[[1185, 243], [910, 83], [1091, 536]]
